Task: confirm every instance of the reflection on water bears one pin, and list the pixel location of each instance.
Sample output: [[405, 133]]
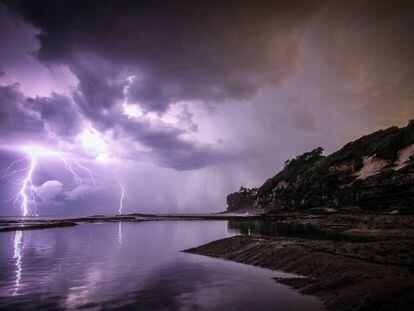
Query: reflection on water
[[134, 266], [120, 233], [18, 256], [274, 228], [291, 229]]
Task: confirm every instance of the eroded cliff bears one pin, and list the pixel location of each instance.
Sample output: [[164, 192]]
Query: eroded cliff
[[375, 172]]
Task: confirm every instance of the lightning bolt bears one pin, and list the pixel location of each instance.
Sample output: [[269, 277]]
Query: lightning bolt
[[121, 204], [8, 172], [27, 194], [121, 199], [27, 182], [88, 171]]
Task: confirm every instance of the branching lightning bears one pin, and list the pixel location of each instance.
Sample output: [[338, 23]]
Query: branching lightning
[[26, 196], [90, 172], [27, 182], [27, 191], [9, 171]]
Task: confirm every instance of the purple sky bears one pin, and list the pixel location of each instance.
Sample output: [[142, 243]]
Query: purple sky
[[180, 103]]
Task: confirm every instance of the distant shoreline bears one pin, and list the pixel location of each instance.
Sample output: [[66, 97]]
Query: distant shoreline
[[8, 223], [12, 223]]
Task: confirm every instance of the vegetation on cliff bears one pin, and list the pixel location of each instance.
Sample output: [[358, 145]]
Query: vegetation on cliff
[[374, 172]]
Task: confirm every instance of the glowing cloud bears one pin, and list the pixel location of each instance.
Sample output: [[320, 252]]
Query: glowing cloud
[[132, 111], [93, 142]]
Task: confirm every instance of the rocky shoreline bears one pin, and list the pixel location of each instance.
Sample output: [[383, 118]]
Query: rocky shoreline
[[347, 274], [344, 220]]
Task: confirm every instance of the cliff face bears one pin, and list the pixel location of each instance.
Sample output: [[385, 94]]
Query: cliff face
[[375, 172], [242, 200]]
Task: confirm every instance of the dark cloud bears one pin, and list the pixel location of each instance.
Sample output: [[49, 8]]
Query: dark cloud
[[43, 119], [39, 119], [174, 51], [97, 98], [100, 86], [169, 149], [58, 112], [15, 120], [19, 62], [178, 50], [16, 37]]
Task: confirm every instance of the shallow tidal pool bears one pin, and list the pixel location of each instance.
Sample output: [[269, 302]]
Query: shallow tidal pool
[[136, 266]]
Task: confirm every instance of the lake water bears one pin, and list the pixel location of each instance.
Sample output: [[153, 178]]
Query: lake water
[[134, 266]]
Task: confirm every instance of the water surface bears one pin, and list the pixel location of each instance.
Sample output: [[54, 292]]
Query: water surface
[[134, 266], [294, 229]]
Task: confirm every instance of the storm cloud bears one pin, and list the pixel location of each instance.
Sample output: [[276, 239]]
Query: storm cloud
[[15, 119], [234, 87], [178, 50]]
